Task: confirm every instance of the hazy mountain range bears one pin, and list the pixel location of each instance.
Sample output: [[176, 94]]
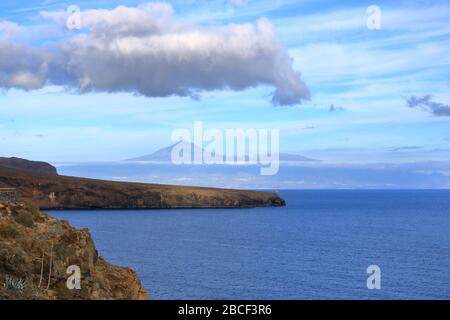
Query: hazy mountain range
[[296, 172], [164, 154]]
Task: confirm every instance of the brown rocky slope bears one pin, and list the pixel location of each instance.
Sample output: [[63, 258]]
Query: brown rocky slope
[[52, 191], [27, 165], [36, 250]]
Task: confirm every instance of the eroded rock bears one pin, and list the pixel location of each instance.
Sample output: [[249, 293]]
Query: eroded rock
[[36, 251]]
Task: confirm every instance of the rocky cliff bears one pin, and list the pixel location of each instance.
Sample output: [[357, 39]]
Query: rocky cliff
[[51, 191], [36, 251]]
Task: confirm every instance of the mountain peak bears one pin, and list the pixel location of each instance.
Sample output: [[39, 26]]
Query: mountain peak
[[165, 154]]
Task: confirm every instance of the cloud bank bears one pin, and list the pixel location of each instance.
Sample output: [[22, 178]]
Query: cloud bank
[[425, 103], [147, 50]]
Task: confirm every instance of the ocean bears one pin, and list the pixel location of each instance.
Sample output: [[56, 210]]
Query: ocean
[[317, 247]]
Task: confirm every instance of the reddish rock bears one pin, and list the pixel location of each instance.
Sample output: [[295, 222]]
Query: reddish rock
[[51, 191], [34, 244]]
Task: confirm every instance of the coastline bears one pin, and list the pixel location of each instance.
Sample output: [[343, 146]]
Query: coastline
[[51, 191]]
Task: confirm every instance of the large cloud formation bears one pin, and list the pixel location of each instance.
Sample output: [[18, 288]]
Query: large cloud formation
[[147, 50]]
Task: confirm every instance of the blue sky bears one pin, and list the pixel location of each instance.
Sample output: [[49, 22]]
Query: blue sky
[[366, 74]]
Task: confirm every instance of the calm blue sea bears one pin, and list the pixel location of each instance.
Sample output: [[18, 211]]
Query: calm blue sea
[[317, 247]]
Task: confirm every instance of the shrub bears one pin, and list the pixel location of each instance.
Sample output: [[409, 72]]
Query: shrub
[[13, 283], [35, 212], [24, 218], [8, 231], [64, 250], [63, 293]]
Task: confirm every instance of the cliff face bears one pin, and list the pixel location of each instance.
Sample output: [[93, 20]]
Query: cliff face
[[36, 250], [56, 192]]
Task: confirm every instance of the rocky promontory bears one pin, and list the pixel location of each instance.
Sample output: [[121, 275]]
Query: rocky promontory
[[38, 255], [44, 188]]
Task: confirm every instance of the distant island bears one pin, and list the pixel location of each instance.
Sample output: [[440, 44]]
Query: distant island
[[164, 154], [39, 183]]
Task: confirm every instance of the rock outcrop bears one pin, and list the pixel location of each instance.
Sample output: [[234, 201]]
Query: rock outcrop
[[51, 191], [36, 251]]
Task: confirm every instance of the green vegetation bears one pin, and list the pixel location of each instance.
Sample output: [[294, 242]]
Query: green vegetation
[[8, 231], [13, 283], [24, 217], [64, 250]]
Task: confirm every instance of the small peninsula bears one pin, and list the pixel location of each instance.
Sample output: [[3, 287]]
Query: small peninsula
[[38, 183]]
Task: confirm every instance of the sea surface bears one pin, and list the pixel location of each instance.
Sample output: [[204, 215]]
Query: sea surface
[[317, 247]]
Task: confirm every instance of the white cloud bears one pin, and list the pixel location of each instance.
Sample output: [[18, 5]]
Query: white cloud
[[8, 28], [21, 66], [147, 50]]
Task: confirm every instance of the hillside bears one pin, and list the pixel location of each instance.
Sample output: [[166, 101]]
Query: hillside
[[36, 251], [27, 165], [52, 191]]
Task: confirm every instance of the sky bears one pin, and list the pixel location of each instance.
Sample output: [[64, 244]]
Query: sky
[[135, 71]]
